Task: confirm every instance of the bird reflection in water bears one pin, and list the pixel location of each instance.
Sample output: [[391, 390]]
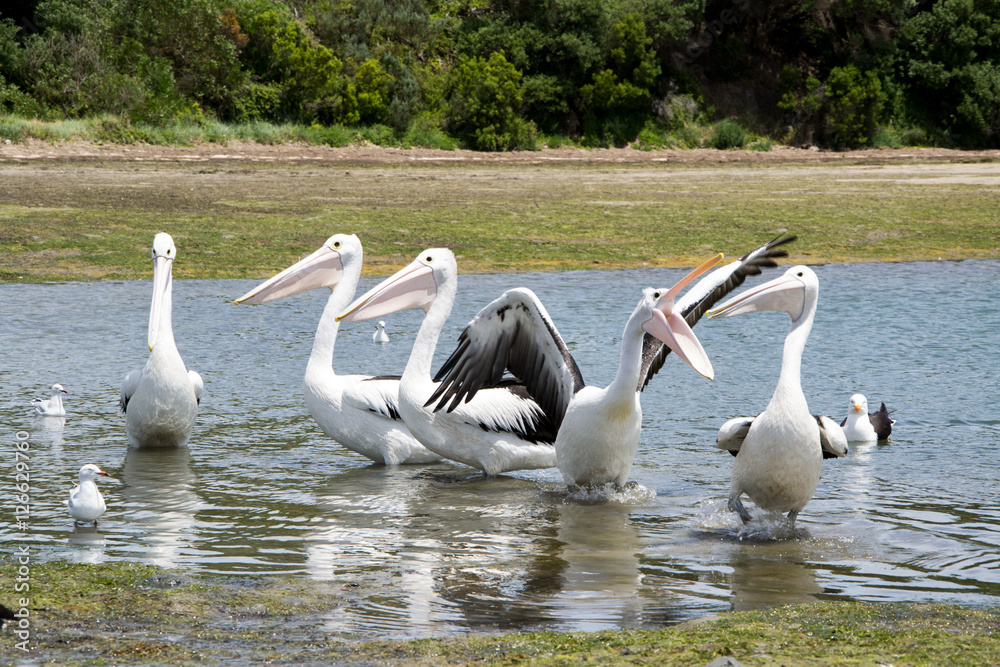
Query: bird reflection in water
[[159, 497]]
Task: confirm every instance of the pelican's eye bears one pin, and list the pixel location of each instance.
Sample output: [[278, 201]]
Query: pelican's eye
[[656, 295], [336, 244], [428, 259], [800, 274]]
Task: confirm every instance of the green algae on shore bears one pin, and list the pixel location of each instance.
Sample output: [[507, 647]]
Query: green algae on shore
[[124, 613]]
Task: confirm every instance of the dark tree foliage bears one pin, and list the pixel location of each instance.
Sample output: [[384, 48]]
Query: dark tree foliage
[[502, 74]]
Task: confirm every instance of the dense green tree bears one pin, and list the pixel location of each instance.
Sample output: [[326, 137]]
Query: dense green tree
[[483, 97], [949, 65]]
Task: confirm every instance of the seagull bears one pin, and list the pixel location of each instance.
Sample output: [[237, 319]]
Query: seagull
[[53, 407], [359, 411], [502, 429], [598, 427], [380, 336], [780, 452], [161, 401], [85, 501], [863, 426]]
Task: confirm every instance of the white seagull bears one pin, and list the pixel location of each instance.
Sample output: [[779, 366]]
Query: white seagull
[[85, 501], [358, 411], [502, 429], [863, 426], [780, 452], [380, 336], [53, 407], [160, 401], [598, 428]]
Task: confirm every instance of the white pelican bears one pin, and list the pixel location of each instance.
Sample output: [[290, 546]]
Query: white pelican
[[358, 411], [53, 407], [161, 400], [863, 426], [85, 501], [780, 452], [503, 429], [598, 428], [380, 336]]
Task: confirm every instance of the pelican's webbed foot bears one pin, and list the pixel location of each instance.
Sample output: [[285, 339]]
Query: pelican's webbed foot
[[736, 505]]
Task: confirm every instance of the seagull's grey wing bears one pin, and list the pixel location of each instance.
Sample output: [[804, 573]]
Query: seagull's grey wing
[[882, 423], [706, 293], [513, 333]]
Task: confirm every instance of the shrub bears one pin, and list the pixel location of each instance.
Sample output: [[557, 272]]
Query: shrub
[[483, 99], [688, 137], [12, 130], [727, 134], [366, 98], [854, 106], [425, 132]]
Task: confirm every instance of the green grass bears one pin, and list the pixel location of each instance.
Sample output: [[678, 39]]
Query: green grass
[[122, 613], [94, 220]]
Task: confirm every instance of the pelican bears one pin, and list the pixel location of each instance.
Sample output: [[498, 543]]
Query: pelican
[[500, 431], [780, 452], [598, 428], [85, 502], [358, 411], [53, 407], [160, 401], [380, 336], [863, 426]]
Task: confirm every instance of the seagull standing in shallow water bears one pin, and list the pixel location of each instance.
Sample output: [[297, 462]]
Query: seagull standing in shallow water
[[85, 501], [53, 407]]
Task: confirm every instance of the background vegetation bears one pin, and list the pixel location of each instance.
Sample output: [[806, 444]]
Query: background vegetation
[[505, 74]]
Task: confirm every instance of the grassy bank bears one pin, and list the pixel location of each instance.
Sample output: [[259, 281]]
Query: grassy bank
[[115, 130], [116, 613], [248, 217]]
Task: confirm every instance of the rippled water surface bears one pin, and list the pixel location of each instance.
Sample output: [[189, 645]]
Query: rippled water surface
[[435, 550]]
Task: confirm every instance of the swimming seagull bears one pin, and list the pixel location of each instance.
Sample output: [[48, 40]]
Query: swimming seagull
[[53, 407], [780, 452], [359, 411], [863, 426], [85, 501], [598, 427], [160, 401], [380, 336]]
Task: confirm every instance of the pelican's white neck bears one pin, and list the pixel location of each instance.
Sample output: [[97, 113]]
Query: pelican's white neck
[[626, 382], [422, 355], [165, 327], [321, 357], [790, 379]]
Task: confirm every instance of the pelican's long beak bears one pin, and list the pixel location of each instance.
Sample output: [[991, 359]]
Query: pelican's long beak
[[323, 268], [673, 330], [785, 293], [162, 269], [411, 287]]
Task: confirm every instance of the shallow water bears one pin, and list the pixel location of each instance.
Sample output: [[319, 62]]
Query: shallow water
[[438, 550]]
